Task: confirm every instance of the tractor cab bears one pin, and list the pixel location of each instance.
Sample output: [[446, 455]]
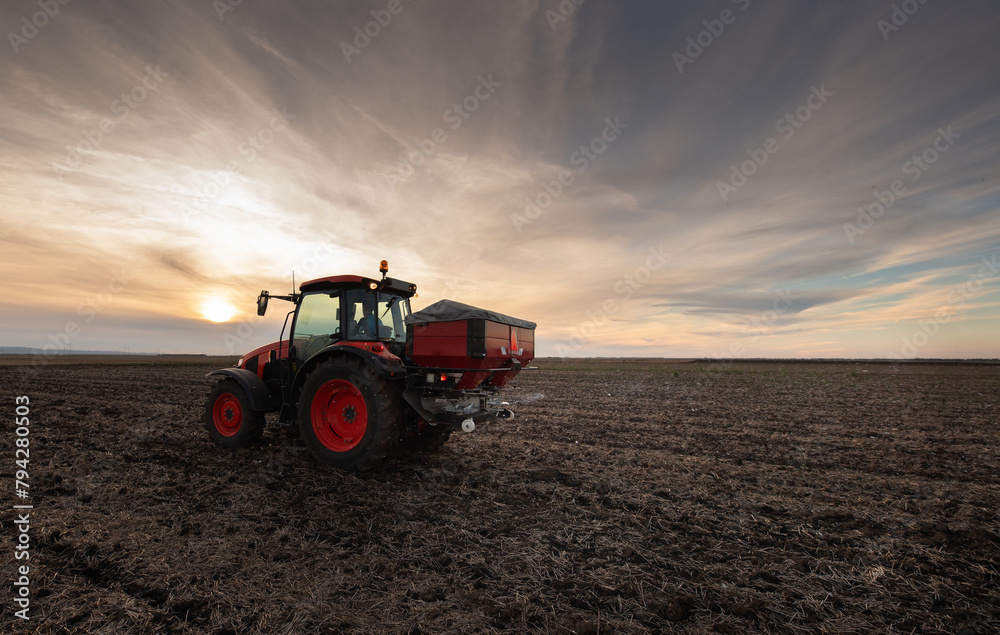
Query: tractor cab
[[353, 310], [348, 310]]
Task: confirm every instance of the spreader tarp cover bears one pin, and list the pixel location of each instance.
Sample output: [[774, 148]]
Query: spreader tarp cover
[[449, 311]]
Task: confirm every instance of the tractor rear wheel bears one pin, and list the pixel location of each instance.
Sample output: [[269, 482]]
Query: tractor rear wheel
[[348, 415], [230, 421], [430, 438]]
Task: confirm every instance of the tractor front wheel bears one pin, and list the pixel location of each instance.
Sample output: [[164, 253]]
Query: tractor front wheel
[[230, 421], [348, 415]]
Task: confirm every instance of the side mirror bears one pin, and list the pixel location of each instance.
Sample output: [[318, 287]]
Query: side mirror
[[262, 303]]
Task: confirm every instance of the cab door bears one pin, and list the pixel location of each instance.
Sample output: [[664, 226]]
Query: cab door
[[317, 323]]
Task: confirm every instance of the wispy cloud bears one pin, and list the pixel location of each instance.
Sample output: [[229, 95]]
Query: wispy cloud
[[199, 192]]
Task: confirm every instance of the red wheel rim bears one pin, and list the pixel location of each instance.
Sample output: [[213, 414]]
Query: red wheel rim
[[339, 415], [227, 414]]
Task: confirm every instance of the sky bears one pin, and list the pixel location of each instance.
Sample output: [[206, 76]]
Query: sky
[[732, 178]]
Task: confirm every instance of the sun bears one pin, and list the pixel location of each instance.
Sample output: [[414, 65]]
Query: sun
[[216, 309]]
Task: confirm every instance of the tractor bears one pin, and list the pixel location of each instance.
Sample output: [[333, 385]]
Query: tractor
[[359, 375]]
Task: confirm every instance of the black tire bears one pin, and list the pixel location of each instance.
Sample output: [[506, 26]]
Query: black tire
[[230, 421], [430, 439], [349, 416]]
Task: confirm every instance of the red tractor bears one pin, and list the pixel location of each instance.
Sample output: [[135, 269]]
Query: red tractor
[[359, 373]]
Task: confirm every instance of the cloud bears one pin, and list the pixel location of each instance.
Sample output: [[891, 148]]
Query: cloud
[[201, 191]]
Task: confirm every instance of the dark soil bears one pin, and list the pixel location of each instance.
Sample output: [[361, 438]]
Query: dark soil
[[624, 498]]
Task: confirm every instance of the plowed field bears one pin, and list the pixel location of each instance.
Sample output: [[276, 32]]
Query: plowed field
[[626, 497]]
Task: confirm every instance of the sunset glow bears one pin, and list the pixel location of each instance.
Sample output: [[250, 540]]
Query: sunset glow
[[218, 310]]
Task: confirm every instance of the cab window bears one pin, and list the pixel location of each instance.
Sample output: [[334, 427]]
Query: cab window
[[317, 324], [372, 316], [392, 312], [361, 320]]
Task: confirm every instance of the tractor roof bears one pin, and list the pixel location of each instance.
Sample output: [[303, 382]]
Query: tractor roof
[[405, 289]]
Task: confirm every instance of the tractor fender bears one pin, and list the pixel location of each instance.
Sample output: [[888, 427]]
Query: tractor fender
[[253, 386], [385, 368]]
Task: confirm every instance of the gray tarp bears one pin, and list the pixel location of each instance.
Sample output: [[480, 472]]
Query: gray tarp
[[449, 310]]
